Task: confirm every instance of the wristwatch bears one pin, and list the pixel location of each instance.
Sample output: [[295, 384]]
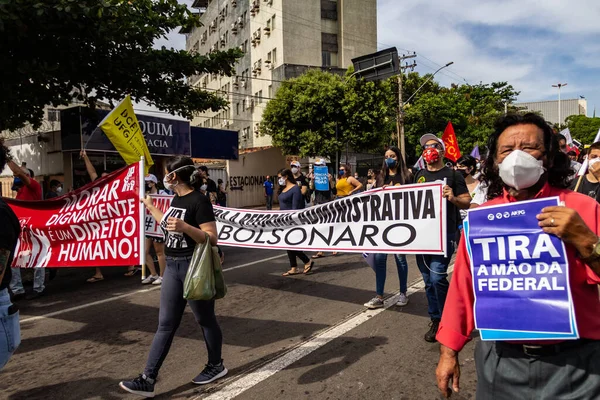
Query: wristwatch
[[595, 253]]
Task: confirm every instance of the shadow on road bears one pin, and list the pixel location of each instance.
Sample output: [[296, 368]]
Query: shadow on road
[[81, 389], [337, 357], [111, 327]]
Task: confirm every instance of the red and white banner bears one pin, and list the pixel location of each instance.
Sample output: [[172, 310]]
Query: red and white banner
[[98, 225], [152, 227]]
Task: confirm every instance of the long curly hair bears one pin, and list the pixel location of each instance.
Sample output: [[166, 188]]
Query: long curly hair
[[558, 163]]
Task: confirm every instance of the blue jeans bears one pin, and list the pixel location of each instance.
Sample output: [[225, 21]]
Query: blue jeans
[[269, 202], [172, 306], [434, 269], [381, 271], [10, 331], [16, 284]]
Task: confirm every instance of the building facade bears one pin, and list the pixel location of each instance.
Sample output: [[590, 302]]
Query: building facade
[[280, 39], [549, 109]]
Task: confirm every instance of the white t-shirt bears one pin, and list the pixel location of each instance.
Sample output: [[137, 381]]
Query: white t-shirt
[[478, 196]]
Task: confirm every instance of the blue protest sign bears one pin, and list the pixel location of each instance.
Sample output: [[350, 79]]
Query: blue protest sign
[[520, 274], [321, 178]]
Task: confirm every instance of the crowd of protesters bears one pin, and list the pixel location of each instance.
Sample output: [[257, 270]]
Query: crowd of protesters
[[525, 160]]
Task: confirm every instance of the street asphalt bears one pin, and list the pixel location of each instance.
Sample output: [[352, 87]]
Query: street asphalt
[[284, 337]]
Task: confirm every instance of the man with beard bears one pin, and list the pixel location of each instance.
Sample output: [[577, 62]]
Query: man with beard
[[524, 163]]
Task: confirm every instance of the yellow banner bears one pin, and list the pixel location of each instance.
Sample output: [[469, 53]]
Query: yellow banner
[[122, 128]]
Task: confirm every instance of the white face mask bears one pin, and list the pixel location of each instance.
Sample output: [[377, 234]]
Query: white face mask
[[521, 170], [171, 186], [294, 170], [203, 188], [281, 181], [59, 189], [593, 161]]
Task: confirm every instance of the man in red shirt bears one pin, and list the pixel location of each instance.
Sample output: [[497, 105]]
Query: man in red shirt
[[533, 369], [27, 189]]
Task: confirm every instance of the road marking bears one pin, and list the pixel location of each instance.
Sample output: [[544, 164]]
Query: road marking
[[103, 301], [253, 378], [254, 262]]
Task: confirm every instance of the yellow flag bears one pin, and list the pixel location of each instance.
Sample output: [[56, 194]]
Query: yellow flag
[[122, 128]]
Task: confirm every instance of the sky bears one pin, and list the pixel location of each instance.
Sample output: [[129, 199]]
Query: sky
[[529, 44]]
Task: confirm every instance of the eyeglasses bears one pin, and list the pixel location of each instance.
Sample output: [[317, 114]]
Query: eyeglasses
[[433, 146]]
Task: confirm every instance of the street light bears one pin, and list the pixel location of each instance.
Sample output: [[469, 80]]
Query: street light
[[559, 85], [428, 79]]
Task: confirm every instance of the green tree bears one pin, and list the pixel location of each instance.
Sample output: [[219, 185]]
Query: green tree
[[57, 51], [472, 109], [319, 112], [583, 128]]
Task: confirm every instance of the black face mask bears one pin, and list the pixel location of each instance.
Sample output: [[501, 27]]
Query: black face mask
[[464, 173], [148, 188]]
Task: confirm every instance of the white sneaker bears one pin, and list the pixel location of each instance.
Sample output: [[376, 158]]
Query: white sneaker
[[157, 281], [402, 300], [374, 303], [150, 279]]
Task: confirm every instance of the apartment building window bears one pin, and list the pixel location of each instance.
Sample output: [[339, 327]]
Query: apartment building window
[[274, 56], [244, 105], [270, 91], [260, 96], [330, 58], [329, 10], [53, 115], [273, 22]]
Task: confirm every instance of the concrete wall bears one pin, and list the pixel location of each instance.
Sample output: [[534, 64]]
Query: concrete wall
[[358, 29], [302, 32], [44, 158], [252, 168]]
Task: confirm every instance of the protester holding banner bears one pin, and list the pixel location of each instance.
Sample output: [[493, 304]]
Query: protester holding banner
[[10, 331], [589, 184], [434, 267], [97, 277], [347, 185], [291, 198], [155, 278], [30, 190], [526, 167], [189, 218], [393, 173], [322, 185]]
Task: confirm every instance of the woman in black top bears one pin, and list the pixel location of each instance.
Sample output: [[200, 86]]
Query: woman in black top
[[393, 173], [291, 198], [187, 221]]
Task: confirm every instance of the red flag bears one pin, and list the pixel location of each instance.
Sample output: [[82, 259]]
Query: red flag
[[449, 138]]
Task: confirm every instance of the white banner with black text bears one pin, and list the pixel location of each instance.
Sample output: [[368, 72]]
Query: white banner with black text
[[410, 219]]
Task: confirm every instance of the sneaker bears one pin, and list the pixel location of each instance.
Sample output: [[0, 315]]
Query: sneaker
[[210, 374], [149, 279], [402, 300], [374, 303], [142, 386], [34, 295], [157, 281], [433, 328]]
